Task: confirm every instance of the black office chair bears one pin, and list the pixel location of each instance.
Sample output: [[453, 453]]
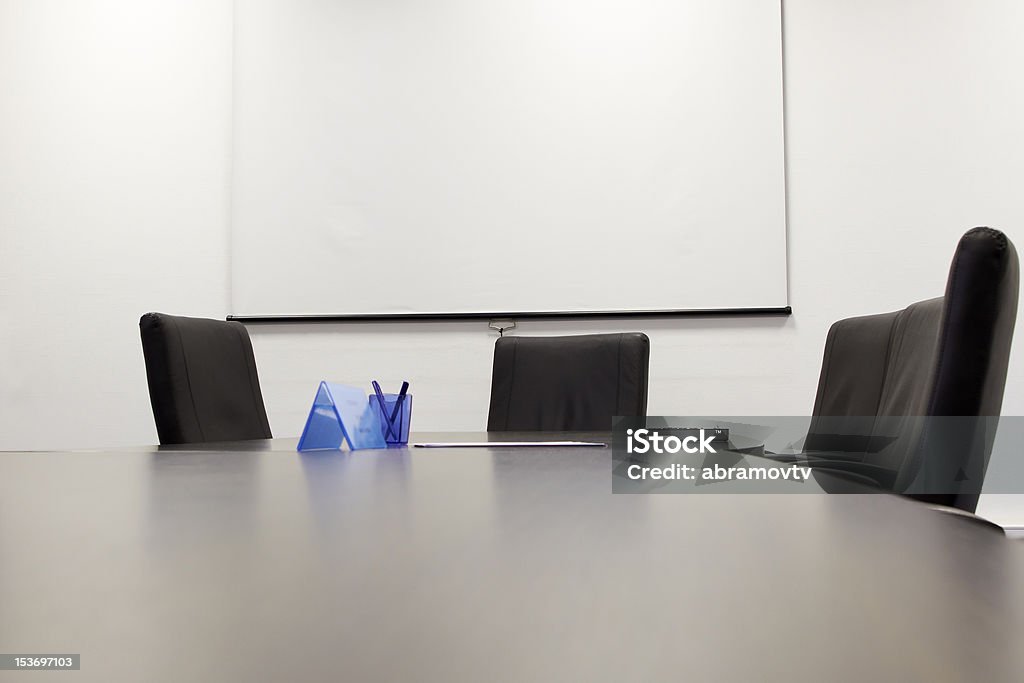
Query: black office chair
[[908, 401], [202, 380], [568, 383]]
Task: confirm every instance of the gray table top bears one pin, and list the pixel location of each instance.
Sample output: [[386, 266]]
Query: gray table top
[[250, 562]]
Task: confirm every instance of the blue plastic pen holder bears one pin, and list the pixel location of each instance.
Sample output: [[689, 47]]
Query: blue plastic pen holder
[[399, 432]]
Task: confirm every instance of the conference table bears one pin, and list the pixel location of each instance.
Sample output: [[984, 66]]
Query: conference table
[[248, 561]]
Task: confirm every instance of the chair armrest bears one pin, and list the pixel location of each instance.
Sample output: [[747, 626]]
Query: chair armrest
[[835, 463]]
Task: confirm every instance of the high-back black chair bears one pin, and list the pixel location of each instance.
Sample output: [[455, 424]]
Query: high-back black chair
[[202, 380], [908, 401], [573, 383]]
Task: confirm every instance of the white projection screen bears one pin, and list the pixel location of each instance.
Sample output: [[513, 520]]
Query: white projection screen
[[507, 156]]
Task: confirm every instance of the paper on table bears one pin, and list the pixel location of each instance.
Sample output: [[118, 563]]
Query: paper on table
[[507, 444]]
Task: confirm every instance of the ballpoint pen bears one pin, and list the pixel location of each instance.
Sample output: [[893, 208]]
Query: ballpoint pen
[[398, 406]]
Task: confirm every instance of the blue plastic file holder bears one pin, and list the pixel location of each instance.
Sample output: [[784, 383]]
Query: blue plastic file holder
[[341, 413], [399, 434]]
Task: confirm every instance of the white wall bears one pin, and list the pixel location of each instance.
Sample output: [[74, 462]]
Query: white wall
[[902, 131], [114, 141]]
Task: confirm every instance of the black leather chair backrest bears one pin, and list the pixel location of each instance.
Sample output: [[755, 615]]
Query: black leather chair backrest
[[575, 383], [202, 380], [885, 379]]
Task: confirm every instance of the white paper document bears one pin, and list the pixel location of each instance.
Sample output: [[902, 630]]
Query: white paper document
[[508, 444]]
